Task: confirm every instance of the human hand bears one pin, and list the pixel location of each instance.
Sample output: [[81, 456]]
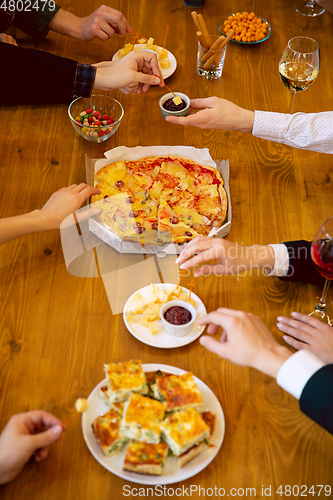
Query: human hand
[[326, 4], [7, 39], [133, 73], [26, 434], [103, 24], [305, 332], [64, 202], [216, 113], [245, 341], [232, 258]]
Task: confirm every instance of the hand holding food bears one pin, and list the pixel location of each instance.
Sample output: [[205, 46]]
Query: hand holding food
[[216, 113], [245, 341], [26, 434], [232, 258], [305, 332], [133, 73]]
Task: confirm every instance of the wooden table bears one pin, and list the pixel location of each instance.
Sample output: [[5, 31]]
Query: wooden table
[[57, 330]]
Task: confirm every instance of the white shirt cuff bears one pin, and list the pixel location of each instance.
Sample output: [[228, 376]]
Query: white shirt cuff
[[297, 370], [281, 264]]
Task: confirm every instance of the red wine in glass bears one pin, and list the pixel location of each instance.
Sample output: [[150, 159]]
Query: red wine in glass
[[322, 256]]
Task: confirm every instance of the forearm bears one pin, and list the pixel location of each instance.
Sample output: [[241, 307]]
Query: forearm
[[14, 227], [66, 23], [262, 256], [312, 131], [270, 359], [245, 121]]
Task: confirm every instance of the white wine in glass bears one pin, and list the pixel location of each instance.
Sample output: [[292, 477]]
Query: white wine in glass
[[299, 65], [309, 8]]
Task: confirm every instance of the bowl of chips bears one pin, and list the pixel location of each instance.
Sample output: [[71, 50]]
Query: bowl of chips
[[95, 118]]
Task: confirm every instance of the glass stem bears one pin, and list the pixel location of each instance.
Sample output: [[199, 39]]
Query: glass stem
[[291, 102], [321, 307]]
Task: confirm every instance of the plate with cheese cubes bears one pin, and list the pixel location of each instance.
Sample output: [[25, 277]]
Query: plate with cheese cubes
[[166, 60], [142, 315], [134, 416]]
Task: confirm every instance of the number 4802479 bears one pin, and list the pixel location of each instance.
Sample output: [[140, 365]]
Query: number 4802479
[[304, 491]]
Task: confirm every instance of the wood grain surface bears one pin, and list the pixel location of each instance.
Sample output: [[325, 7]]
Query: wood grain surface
[[57, 330]]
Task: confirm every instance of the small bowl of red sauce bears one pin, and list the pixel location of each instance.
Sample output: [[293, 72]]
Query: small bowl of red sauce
[[169, 108], [177, 317]]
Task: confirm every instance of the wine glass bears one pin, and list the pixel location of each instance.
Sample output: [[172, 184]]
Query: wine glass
[[322, 256], [309, 8], [299, 65]]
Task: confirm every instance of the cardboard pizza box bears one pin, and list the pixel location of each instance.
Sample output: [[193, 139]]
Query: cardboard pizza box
[[105, 233]]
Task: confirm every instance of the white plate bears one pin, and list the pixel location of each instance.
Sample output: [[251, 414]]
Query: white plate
[[172, 473], [163, 339], [165, 72]]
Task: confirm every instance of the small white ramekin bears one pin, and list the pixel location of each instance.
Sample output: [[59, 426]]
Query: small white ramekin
[[177, 330]]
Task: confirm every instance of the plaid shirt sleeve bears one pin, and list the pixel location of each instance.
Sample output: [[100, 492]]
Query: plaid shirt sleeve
[[84, 80]]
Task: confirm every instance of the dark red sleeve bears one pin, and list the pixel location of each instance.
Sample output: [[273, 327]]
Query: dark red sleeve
[[30, 76]]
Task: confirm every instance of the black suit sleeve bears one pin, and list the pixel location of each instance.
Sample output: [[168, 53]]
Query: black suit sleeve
[[316, 400], [301, 266], [34, 77], [34, 22]]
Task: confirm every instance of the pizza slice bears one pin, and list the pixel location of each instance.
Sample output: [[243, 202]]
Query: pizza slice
[[112, 173], [169, 221], [145, 458]]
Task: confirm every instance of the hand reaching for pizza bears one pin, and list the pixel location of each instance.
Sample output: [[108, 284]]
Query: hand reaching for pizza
[[60, 205], [232, 258], [305, 332], [133, 73], [26, 434], [216, 113], [65, 202]]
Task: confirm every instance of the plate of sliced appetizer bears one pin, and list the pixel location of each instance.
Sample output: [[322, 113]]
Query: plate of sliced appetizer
[[132, 424], [141, 315]]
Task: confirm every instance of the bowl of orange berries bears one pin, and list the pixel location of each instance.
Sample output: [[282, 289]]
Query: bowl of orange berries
[[249, 28]]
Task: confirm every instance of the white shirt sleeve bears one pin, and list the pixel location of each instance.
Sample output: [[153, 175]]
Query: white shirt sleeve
[[313, 131], [297, 370], [281, 264]]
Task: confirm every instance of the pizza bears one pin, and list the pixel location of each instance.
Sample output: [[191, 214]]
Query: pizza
[[160, 198]]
